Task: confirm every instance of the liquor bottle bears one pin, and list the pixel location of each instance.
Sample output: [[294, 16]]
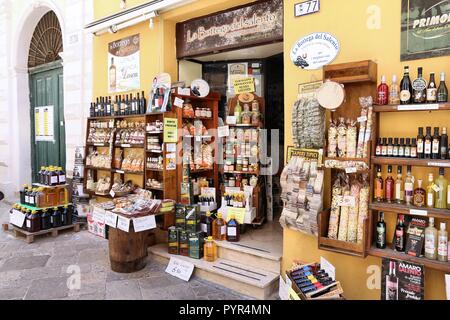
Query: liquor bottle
[[443, 243], [116, 107], [394, 92], [400, 234], [399, 190], [431, 240], [381, 232], [238, 112], [233, 229], [219, 228], [384, 147], [143, 103], [395, 148], [210, 250], [378, 148], [435, 145], [383, 92], [130, 104], [408, 148], [414, 148], [123, 106], [427, 145], [431, 194], [119, 105], [379, 194], [442, 92], [389, 189], [208, 224], [409, 186], [419, 195], [444, 144], [401, 148], [391, 283], [432, 89], [420, 144], [92, 110], [390, 148], [441, 190], [108, 107], [406, 88], [102, 106], [419, 87]]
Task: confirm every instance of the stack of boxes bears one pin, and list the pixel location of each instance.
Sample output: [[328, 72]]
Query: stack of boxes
[[185, 238]]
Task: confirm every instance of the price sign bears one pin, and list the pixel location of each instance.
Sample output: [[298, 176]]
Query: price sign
[[98, 215], [178, 102], [351, 170], [144, 223], [239, 214], [307, 7], [328, 267], [347, 201], [223, 131], [416, 212], [418, 107], [123, 224], [180, 269], [111, 219], [17, 218]]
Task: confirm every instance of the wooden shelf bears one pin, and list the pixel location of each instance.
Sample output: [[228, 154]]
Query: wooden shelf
[[211, 97], [128, 145], [97, 144], [155, 170], [154, 132], [154, 151], [155, 188], [404, 209], [391, 254], [197, 118], [412, 107], [51, 187], [94, 194], [32, 208], [365, 160], [415, 162], [245, 125], [242, 172], [117, 117], [138, 173], [201, 170]]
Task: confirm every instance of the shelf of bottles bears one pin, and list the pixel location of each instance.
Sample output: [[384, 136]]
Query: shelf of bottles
[[424, 199]]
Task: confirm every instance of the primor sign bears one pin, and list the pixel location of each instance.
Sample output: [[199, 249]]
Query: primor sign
[[249, 25], [425, 29]]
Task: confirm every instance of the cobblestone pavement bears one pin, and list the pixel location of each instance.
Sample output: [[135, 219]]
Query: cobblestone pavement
[[45, 268]]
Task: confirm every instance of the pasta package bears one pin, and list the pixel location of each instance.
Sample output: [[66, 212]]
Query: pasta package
[[352, 136], [364, 195], [353, 213], [343, 220], [332, 140], [333, 224], [342, 138]]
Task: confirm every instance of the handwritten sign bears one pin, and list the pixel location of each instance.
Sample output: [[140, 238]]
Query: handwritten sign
[[144, 223], [111, 219], [123, 223], [347, 201], [98, 215], [239, 214], [223, 131], [178, 102], [351, 170], [17, 218], [307, 7], [170, 130], [231, 120], [244, 85], [180, 269], [184, 91]]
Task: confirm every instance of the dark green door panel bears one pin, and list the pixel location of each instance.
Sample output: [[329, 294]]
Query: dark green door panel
[[46, 88]]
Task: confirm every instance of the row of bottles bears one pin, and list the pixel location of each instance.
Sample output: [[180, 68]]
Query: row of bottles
[[37, 220], [436, 242], [424, 147], [120, 106], [417, 91], [43, 197], [436, 194], [52, 176], [221, 230]]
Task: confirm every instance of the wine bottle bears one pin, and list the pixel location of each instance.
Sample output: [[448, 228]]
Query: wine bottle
[[420, 144], [432, 89], [442, 92], [444, 144], [435, 148], [143, 103], [381, 232], [427, 144], [383, 92], [419, 87], [405, 88]]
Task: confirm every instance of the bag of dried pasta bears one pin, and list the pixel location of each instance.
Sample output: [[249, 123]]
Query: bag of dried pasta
[[332, 140], [342, 138], [353, 212], [343, 221], [364, 195], [352, 134], [333, 224]]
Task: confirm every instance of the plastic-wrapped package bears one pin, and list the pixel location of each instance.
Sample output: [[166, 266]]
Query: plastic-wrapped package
[[342, 138], [308, 124], [353, 212], [335, 209], [364, 195], [332, 140], [343, 219], [352, 134]]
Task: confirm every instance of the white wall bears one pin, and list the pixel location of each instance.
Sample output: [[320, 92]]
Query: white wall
[[189, 71], [18, 18]]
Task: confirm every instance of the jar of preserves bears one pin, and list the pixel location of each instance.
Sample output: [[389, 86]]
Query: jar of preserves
[[239, 164], [198, 112], [246, 118], [256, 118], [255, 106], [246, 107], [232, 182], [208, 113], [203, 113]]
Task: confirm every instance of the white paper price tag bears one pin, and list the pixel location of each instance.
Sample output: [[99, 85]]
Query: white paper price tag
[[180, 269], [231, 120], [416, 212], [17, 218], [120, 171], [112, 193], [416, 107], [351, 170], [178, 102], [347, 201], [99, 215], [126, 145], [223, 131], [144, 223], [123, 223], [184, 91], [328, 267], [111, 219], [362, 119], [171, 147]]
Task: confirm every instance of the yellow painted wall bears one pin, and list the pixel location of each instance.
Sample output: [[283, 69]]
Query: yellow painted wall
[[348, 21]]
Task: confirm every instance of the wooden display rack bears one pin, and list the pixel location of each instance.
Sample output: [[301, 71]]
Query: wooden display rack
[[29, 236], [394, 208], [360, 80], [212, 102], [259, 198]]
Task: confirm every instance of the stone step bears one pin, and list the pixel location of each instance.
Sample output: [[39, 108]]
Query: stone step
[[250, 255], [247, 280]]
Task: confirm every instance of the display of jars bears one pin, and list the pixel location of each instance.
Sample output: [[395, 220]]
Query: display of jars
[[256, 118], [232, 182], [255, 106], [246, 118], [239, 162]]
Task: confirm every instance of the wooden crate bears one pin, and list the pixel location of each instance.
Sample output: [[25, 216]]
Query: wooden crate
[[54, 232]]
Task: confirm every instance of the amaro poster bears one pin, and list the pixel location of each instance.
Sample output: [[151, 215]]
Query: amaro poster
[[124, 65], [402, 280], [425, 29]]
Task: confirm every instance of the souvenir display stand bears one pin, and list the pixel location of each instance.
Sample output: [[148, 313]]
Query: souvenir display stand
[[359, 80], [205, 113], [249, 147]]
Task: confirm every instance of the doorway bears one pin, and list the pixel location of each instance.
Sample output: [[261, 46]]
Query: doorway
[[46, 95]]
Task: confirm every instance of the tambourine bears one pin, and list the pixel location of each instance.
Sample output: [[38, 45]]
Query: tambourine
[[331, 95]]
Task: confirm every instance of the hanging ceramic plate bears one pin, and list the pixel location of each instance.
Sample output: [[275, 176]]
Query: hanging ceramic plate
[[200, 88], [246, 97], [331, 95]]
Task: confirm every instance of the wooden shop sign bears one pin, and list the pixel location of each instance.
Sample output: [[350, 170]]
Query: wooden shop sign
[[249, 25]]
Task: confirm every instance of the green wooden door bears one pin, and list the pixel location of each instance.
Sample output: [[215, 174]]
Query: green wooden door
[[46, 89]]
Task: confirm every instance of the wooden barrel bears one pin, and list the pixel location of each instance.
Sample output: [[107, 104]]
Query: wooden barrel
[[128, 250]]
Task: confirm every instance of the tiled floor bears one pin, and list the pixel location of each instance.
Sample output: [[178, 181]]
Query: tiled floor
[[76, 266]]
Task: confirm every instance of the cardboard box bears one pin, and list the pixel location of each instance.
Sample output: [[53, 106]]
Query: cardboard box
[[180, 217], [196, 241], [95, 227], [173, 240], [184, 243], [192, 218]]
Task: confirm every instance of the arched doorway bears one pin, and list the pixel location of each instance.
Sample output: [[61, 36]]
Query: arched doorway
[[46, 95]]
